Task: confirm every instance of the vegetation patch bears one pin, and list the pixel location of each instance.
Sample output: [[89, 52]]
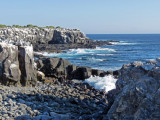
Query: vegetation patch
[[28, 26]]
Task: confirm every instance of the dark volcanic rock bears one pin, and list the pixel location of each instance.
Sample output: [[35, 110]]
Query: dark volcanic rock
[[136, 96], [82, 73], [53, 67], [59, 67], [17, 65]]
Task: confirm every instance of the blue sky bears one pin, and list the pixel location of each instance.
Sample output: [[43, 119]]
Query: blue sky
[[90, 16]]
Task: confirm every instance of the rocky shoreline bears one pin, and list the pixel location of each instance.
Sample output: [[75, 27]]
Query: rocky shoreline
[[46, 89], [136, 97]]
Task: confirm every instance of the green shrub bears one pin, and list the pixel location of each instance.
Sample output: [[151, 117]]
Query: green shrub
[[2, 26], [58, 27], [50, 27], [29, 26]]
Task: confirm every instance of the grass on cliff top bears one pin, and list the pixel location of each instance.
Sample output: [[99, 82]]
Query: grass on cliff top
[[28, 26]]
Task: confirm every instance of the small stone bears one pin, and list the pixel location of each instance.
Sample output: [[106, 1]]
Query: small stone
[[81, 97], [55, 104], [52, 114], [21, 101], [1, 98]]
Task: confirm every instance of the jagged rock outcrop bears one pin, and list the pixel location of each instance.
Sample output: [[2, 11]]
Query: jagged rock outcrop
[[42, 36], [17, 65], [32, 35], [137, 93], [61, 68], [62, 36]]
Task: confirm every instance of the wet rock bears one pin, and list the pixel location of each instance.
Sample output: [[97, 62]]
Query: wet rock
[[82, 73]]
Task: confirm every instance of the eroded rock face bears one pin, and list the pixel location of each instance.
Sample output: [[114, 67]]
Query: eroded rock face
[[137, 93], [42, 36], [27, 67], [9, 64], [33, 35], [17, 65], [63, 36]]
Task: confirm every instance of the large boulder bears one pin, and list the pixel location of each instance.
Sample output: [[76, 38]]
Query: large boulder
[[17, 65], [82, 73], [137, 95], [53, 67]]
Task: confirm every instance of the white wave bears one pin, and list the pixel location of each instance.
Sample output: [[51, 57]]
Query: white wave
[[123, 60], [89, 51], [107, 49], [106, 83], [104, 54], [47, 54], [123, 43], [94, 59], [114, 43], [127, 43], [80, 51]]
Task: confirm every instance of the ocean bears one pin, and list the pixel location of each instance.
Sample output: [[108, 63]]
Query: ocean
[[132, 47]]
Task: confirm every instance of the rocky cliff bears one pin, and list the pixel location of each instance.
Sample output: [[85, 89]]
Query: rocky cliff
[[17, 65], [137, 94], [43, 36]]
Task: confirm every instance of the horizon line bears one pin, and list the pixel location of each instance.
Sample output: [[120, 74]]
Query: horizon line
[[122, 33]]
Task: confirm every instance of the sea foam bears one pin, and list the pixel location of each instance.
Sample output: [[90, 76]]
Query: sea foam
[[106, 83], [89, 51], [122, 43]]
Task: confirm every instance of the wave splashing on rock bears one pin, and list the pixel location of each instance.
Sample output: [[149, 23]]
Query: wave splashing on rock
[[106, 83]]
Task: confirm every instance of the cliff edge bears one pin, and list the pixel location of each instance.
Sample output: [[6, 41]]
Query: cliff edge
[[43, 36]]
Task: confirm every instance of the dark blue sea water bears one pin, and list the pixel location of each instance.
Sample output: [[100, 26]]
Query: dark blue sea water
[[132, 47]]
